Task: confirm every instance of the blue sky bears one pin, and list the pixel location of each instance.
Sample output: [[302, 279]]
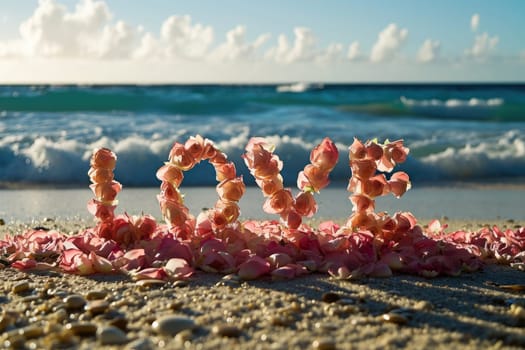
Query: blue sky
[[331, 40]]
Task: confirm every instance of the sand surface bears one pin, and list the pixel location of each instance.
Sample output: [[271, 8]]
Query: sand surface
[[455, 202], [472, 311]]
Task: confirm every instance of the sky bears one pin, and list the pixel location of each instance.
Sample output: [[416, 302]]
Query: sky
[[248, 41]]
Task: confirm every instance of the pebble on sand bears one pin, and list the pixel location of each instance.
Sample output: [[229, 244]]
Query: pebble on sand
[[74, 301], [82, 329], [96, 307], [172, 324], [21, 287], [227, 331], [110, 335], [330, 297], [323, 344], [96, 294], [141, 344], [393, 317]]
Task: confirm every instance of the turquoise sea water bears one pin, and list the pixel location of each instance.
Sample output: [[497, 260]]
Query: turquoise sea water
[[466, 133]]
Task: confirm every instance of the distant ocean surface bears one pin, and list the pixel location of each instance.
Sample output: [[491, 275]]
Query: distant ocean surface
[[456, 133]]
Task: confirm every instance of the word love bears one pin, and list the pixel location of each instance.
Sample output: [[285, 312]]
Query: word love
[[365, 161]]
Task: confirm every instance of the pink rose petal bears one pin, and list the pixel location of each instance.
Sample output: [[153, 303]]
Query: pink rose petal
[[253, 268]]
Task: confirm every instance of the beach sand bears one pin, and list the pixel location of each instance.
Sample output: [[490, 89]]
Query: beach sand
[[209, 311], [481, 202]]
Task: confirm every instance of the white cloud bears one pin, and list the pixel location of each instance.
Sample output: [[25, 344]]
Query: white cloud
[[333, 53], [474, 22], [354, 51], [303, 48], [87, 32], [429, 51], [117, 41], [52, 31], [236, 47], [179, 39], [388, 43], [483, 46]]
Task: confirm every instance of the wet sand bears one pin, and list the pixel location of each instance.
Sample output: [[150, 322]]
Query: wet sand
[[487, 202]]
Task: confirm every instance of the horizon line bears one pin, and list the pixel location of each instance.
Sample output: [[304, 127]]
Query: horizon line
[[291, 82]]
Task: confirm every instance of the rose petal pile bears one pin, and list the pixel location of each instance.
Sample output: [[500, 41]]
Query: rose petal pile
[[369, 244]]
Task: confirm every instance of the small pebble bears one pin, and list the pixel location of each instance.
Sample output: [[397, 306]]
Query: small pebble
[[231, 277], [141, 344], [172, 324], [423, 305], [31, 332], [228, 283], [110, 335], [96, 307], [21, 287], [323, 344], [150, 283], [82, 329], [74, 301], [59, 315], [180, 284], [330, 297], [96, 295], [60, 293], [393, 317], [226, 331], [30, 298]]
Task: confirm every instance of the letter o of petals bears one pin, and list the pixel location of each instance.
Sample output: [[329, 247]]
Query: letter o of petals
[[185, 156]]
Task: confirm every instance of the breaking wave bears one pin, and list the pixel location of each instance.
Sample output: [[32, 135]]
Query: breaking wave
[[65, 161], [47, 133]]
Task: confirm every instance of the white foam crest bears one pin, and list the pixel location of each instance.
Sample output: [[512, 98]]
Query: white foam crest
[[47, 160], [298, 87], [12, 140], [237, 142], [44, 152], [56, 161], [453, 103], [506, 157]]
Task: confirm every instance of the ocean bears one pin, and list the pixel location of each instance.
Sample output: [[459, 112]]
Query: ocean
[[456, 133]]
